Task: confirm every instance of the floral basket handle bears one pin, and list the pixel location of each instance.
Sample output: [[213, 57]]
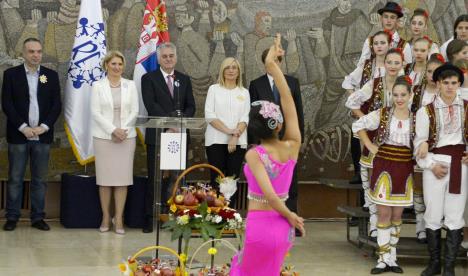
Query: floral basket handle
[[226, 243], [188, 170]]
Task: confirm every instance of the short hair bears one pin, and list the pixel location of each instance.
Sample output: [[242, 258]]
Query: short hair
[[31, 39], [165, 45], [265, 54], [448, 74], [226, 62], [454, 47], [461, 18], [110, 55]]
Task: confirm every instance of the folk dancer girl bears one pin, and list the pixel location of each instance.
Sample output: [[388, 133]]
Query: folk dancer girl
[[371, 69], [374, 95], [392, 176]]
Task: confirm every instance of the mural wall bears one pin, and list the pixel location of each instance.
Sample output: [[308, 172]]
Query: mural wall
[[322, 38]]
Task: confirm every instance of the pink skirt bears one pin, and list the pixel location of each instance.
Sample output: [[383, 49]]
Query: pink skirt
[[268, 238]]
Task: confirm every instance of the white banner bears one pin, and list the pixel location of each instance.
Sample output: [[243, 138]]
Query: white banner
[[88, 50], [173, 151]]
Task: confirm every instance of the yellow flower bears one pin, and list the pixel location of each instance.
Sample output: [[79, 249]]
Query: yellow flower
[[208, 210], [183, 257], [173, 208], [122, 267], [43, 78], [212, 251]]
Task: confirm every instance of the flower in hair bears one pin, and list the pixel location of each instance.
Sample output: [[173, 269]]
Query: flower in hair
[[426, 14], [408, 80], [390, 34], [270, 111], [400, 51], [428, 39], [440, 58]]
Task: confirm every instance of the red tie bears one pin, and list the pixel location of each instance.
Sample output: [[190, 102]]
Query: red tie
[[170, 85]]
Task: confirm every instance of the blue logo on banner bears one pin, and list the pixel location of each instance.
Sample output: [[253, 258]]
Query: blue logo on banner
[[85, 60]]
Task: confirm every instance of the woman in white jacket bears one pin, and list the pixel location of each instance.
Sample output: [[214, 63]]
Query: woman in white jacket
[[114, 106]]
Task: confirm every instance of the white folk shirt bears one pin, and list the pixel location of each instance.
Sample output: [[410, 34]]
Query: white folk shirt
[[230, 106], [428, 97], [358, 98], [366, 50], [443, 48], [450, 128], [353, 80], [399, 129]]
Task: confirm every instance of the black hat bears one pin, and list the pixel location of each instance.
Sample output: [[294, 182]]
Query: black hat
[[393, 8], [447, 66]]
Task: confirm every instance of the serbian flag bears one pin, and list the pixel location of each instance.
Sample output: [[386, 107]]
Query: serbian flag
[[88, 50], [154, 31]]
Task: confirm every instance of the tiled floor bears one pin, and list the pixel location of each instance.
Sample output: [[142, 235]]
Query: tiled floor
[[76, 252]]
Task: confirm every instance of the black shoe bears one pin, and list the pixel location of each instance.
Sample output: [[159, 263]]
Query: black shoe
[[452, 244], [378, 270], [41, 225], [396, 269], [353, 222], [148, 227], [356, 179], [10, 225], [434, 247]]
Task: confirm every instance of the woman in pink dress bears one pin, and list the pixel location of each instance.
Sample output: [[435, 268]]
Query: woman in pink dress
[[269, 172]]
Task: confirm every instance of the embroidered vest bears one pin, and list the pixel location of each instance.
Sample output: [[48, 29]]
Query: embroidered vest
[[434, 124], [377, 98], [417, 97], [383, 131], [401, 44], [409, 68], [367, 72]]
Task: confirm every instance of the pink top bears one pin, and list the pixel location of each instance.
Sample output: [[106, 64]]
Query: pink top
[[280, 175]]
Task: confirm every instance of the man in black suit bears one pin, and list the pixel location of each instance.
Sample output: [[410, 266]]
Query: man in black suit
[[166, 93], [263, 88], [31, 102]]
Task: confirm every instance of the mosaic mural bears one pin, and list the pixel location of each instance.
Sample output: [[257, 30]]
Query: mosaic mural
[[322, 39]]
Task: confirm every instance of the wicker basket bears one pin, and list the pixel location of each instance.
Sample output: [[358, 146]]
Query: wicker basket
[[182, 175], [209, 242], [181, 267]]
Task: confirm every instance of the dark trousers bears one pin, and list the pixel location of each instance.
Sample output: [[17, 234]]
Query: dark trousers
[[229, 163], [166, 184], [356, 154], [291, 202], [18, 155]]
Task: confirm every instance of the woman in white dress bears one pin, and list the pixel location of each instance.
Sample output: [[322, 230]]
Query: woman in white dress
[[114, 106]]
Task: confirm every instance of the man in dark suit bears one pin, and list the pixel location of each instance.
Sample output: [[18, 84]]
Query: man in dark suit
[[263, 88], [31, 102], [166, 93]]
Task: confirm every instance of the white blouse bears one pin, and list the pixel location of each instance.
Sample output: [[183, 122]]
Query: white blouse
[[450, 128], [428, 97], [399, 129], [463, 93], [443, 48], [366, 51], [353, 80], [358, 98], [230, 106]]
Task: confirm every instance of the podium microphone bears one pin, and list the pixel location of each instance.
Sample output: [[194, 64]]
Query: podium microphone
[[177, 95]]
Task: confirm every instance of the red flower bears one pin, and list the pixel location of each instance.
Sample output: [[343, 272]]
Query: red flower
[[226, 214], [428, 39], [409, 80], [426, 14], [440, 58], [390, 35], [192, 213]]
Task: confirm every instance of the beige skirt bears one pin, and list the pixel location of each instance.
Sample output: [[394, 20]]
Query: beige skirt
[[114, 162]]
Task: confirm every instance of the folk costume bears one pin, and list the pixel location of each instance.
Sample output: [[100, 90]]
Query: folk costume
[[443, 127]]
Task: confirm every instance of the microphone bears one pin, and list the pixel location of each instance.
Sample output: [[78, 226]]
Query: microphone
[[177, 96]]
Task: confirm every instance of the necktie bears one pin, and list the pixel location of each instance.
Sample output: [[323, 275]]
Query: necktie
[[276, 94], [170, 85]]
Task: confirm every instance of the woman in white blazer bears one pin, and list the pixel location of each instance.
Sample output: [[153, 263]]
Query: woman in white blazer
[[114, 106]]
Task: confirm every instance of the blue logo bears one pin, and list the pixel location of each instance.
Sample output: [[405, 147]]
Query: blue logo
[[85, 60], [173, 147]]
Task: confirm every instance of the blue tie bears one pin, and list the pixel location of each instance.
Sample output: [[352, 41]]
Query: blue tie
[[276, 94]]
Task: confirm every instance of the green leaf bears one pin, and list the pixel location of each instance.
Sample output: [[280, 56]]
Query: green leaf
[[203, 208], [187, 233], [169, 224], [176, 233], [205, 233]]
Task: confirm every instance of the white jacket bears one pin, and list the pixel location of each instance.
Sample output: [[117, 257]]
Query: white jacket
[[102, 108]]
